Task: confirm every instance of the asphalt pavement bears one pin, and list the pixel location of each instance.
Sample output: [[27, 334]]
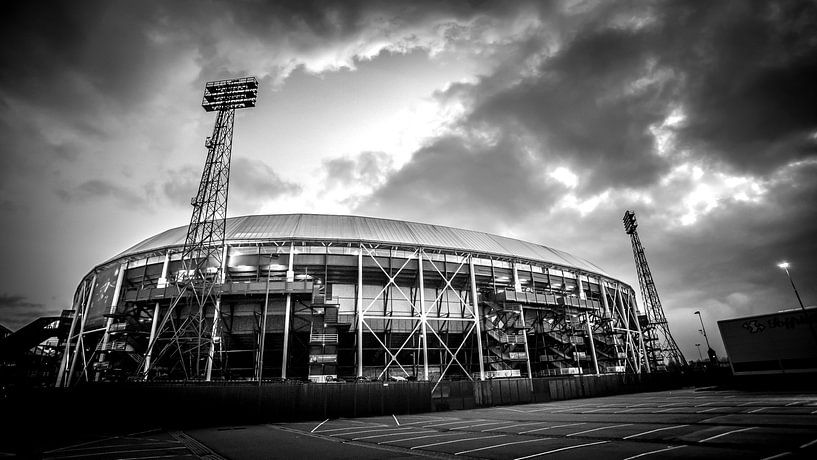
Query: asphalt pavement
[[671, 424]]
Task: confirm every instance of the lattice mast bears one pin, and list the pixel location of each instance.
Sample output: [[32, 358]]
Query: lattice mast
[[660, 344], [186, 343]]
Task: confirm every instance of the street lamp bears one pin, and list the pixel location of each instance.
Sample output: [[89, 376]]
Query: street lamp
[[785, 266], [700, 356], [712, 356]]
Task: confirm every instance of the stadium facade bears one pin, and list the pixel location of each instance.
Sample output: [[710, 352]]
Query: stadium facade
[[325, 297]]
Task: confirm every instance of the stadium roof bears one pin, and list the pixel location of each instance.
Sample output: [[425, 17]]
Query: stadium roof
[[324, 227]]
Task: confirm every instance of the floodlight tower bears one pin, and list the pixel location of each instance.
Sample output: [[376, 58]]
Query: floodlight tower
[[660, 343], [182, 344]]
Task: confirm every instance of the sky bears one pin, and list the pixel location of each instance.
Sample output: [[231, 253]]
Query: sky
[[542, 121]]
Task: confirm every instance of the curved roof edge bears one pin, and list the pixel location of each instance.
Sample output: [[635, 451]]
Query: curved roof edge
[[328, 227]]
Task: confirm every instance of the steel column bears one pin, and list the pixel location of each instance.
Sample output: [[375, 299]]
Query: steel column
[[423, 312], [525, 336], [67, 351], [517, 285], [80, 337], [288, 312], [477, 316], [216, 315], [592, 345], [114, 303], [604, 298], [359, 308], [625, 315], [153, 326], [260, 363], [640, 334]]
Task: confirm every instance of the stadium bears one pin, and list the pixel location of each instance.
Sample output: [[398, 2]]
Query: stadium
[[327, 298]]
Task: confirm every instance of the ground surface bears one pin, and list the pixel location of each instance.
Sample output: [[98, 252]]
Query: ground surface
[[672, 424]]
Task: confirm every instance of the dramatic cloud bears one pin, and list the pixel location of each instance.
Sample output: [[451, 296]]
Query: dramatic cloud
[[698, 116], [16, 310], [537, 120]]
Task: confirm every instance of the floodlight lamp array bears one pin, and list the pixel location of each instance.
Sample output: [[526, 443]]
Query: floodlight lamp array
[[237, 93], [629, 222]]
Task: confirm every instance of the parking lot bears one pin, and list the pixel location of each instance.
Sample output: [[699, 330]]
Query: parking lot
[[672, 424]]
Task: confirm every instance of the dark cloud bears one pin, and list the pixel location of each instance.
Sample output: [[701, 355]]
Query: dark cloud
[[738, 76], [748, 78], [95, 189], [573, 84], [742, 74], [16, 310], [453, 176], [583, 111]]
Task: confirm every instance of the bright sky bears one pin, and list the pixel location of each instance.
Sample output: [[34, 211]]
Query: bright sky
[[543, 121]]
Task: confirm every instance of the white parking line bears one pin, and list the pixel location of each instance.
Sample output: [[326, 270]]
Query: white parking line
[[451, 423], [419, 437], [549, 427], [389, 434], [667, 410], [500, 445], [319, 425], [673, 404], [369, 431], [653, 452], [708, 410], [792, 403], [727, 433], [515, 410], [513, 426], [780, 455], [707, 404], [808, 444], [597, 429], [757, 410], [349, 428], [434, 419], [653, 431], [561, 449], [395, 419], [479, 424], [457, 440]]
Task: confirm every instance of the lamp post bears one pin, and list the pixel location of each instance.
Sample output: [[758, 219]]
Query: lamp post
[[713, 357], [700, 356], [785, 266]]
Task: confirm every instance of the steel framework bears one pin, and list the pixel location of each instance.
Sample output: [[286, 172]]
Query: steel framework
[[660, 345], [183, 341], [328, 309]]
